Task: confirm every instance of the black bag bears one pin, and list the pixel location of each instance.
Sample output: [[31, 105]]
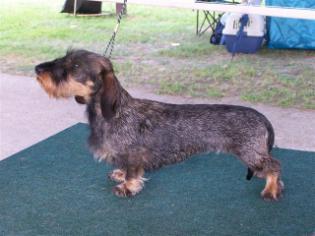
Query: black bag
[[216, 36], [83, 7]]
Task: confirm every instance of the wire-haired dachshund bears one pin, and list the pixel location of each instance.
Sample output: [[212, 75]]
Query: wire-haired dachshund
[[136, 135]]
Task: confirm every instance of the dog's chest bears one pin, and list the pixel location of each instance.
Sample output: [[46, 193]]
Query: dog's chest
[[103, 153], [99, 142]]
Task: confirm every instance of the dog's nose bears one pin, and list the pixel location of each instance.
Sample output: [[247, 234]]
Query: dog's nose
[[39, 69]]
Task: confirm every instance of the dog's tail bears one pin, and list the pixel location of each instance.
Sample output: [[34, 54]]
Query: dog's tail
[[271, 136], [250, 174]]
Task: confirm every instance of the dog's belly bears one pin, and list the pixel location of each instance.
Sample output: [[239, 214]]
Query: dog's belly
[[170, 148]]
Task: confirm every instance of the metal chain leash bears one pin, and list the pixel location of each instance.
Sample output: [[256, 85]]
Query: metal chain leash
[[111, 43]]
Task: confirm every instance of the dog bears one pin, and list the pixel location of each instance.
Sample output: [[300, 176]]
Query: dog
[[138, 135]]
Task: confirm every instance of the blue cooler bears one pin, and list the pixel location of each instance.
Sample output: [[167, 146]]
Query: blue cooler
[[244, 38], [291, 33]]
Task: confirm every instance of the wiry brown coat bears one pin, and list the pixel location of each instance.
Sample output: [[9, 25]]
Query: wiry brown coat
[[137, 134]]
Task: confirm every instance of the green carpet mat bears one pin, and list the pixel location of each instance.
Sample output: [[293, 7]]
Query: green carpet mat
[[56, 188]]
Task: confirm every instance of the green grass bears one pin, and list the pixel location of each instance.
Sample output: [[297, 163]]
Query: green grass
[[198, 48], [156, 48]]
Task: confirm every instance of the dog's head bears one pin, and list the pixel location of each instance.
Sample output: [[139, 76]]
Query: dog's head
[[81, 74]]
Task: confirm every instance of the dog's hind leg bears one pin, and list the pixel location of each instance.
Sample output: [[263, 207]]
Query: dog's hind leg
[[271, 171], [264, 166]]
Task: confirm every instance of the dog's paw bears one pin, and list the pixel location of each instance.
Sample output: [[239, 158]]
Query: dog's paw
[[121, 190], [273, 195], [117, 175], [269, 197], [129, 188]]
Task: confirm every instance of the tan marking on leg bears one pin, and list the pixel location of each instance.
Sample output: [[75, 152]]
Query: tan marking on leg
[[135, 185], [118, 175], [130, 187], [273, 187]]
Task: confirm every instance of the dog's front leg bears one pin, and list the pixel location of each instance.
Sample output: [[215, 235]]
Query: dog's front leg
[[131, 167], [117, 175], [133, 183]]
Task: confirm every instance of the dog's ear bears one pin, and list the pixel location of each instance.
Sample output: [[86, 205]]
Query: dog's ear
[[110, 96]]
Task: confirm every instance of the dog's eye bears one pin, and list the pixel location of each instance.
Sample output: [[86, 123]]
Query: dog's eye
[[76, 66]]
